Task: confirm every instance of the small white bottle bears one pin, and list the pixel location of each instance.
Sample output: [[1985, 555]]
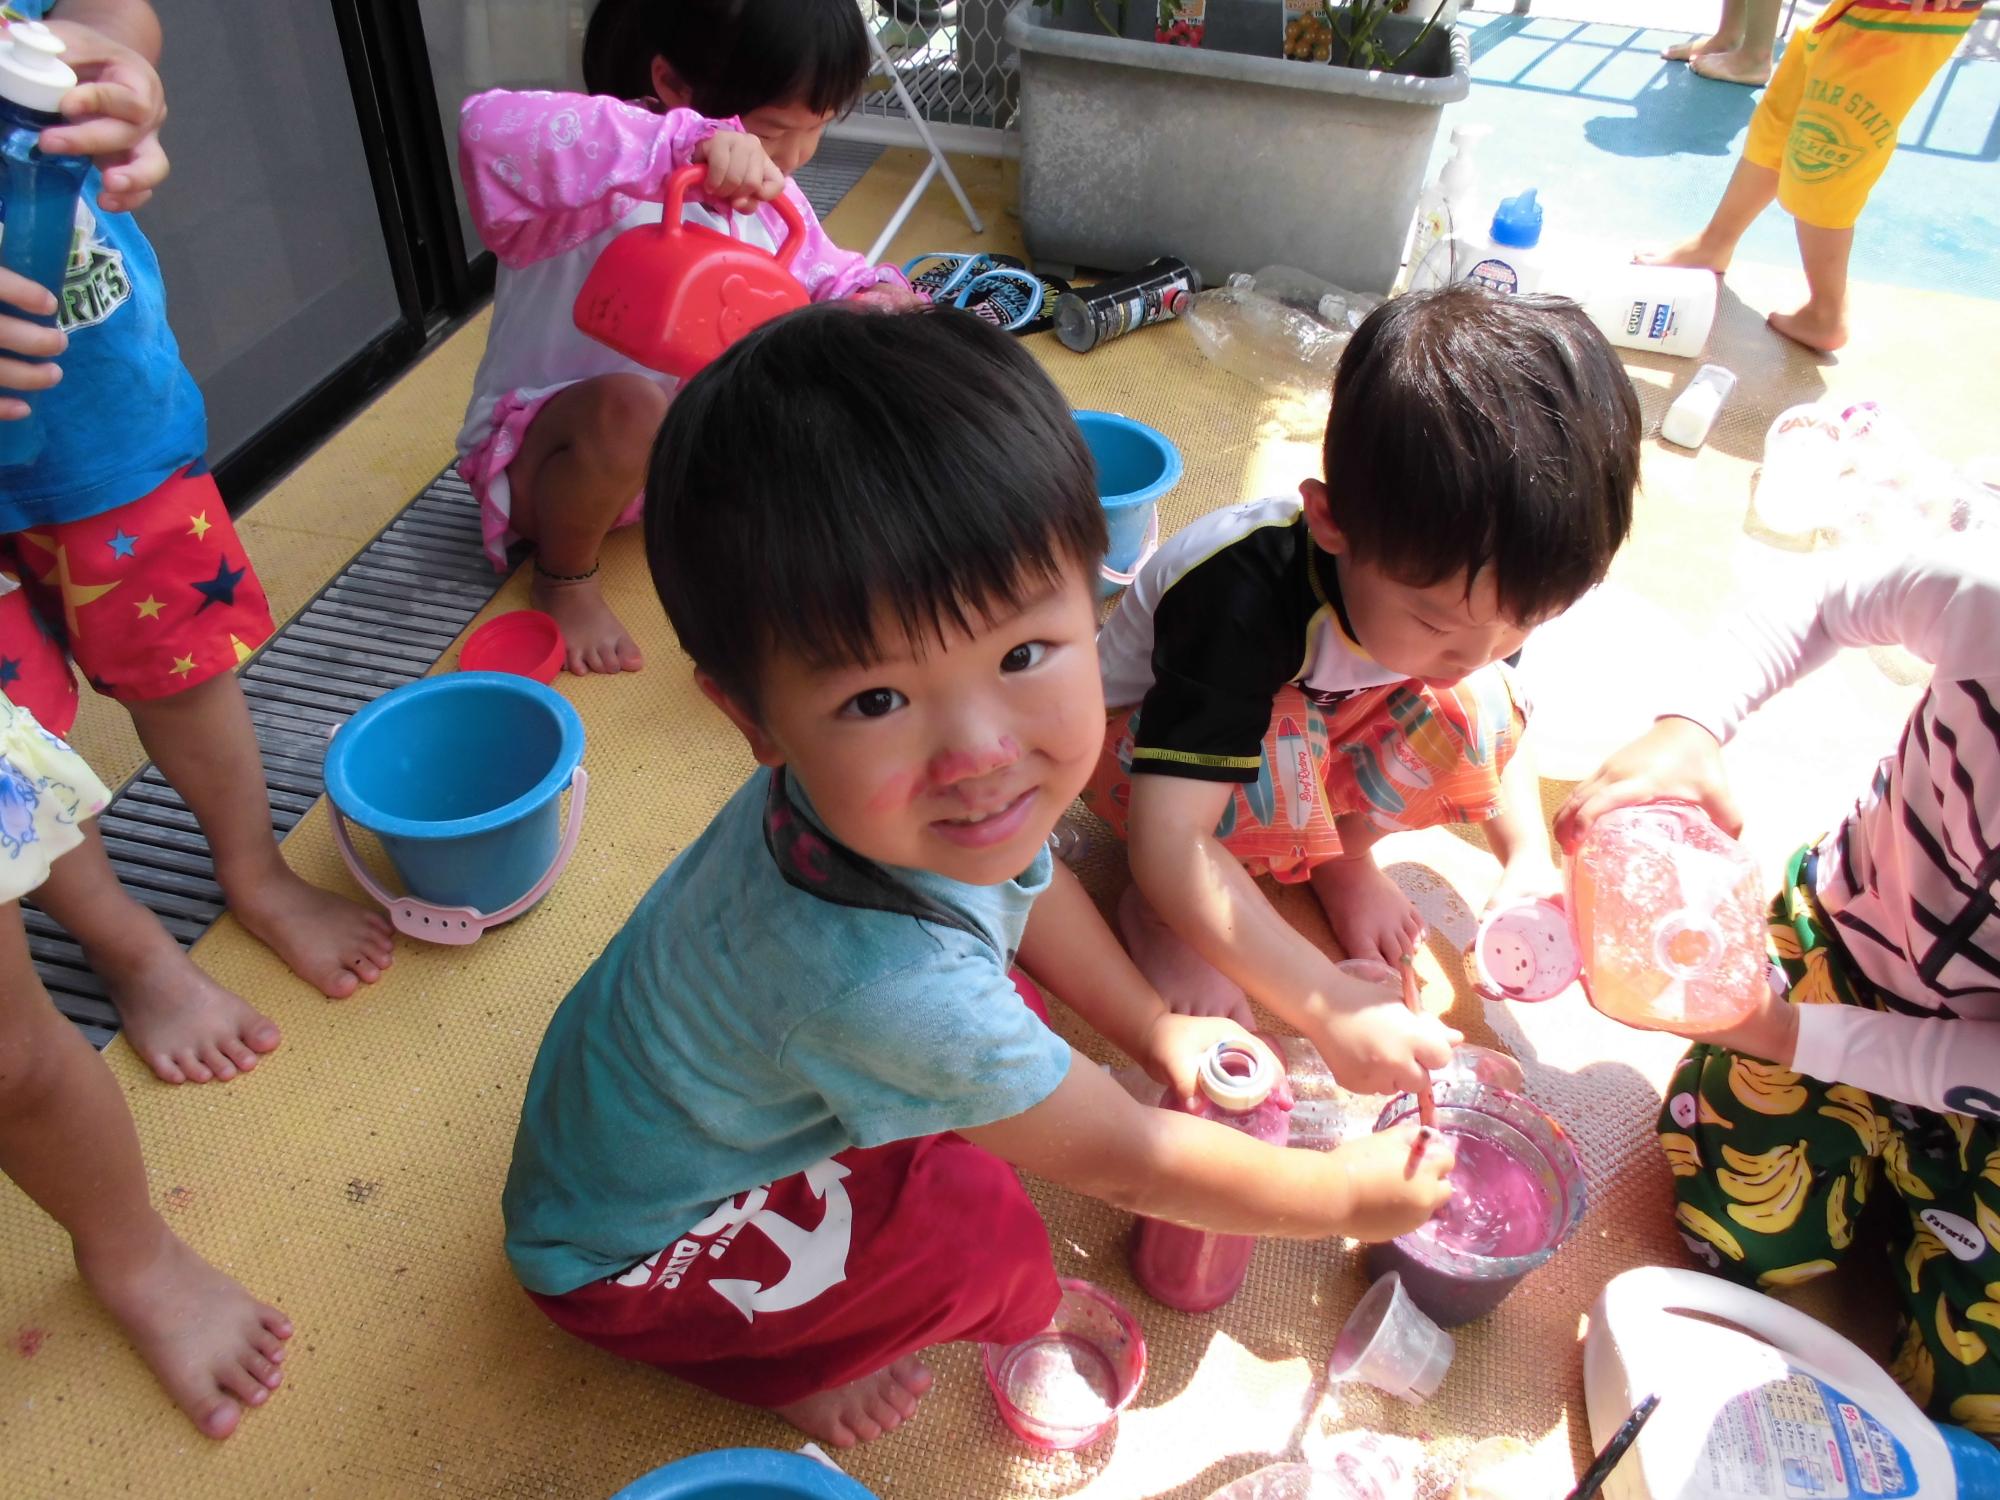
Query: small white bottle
[[1689, 420], [1505, 260], [1446, 212]]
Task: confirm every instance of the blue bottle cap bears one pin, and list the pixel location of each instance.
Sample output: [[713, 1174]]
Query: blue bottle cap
[[1975, 1461], [1518, 221]]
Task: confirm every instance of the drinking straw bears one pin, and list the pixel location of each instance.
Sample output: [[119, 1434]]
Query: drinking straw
[[1601, 1466], [1426, 1105]]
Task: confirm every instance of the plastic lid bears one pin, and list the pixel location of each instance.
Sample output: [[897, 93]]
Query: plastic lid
[[525, 642], [1975, 1461], [1518, 221], [1236, 1078], [32, 72]]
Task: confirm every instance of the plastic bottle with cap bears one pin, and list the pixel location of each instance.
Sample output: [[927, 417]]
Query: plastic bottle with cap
[[1505, 261], [38, 192], [1446, 215], [1196, 1270]]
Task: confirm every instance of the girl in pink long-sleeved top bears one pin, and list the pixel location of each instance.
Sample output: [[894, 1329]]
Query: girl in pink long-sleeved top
[[557, 436]]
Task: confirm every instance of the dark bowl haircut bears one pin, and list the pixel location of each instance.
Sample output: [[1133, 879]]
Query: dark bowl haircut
[[839, 465], [733, 55], [1471, 430]]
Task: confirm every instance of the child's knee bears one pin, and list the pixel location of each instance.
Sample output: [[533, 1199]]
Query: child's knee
[[622, 419]]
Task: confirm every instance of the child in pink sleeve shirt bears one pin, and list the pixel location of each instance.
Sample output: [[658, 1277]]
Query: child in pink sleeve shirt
[[560, 427]]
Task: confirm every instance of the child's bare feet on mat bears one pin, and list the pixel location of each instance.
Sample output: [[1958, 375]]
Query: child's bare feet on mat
[[1369, 914], [864, 1409], [325, 939], [1697, 253], [184, 1026], [1811, 327], [213, 1346], [594, 638]]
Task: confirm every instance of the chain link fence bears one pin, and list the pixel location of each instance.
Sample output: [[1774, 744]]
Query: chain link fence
[[953, 57]]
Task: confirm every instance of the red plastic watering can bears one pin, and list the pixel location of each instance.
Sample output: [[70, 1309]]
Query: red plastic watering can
[[672, 296]]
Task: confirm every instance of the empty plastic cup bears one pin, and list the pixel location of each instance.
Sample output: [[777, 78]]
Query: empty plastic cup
[[1064, 1387], [1389, 1343], [1517, 1190]]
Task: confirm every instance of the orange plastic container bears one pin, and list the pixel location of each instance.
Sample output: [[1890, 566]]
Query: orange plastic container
[[672, 296], [1669, 918]]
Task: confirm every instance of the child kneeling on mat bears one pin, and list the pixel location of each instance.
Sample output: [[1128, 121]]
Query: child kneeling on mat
[[770, 1138], [1293, 678], [1879, 1040]]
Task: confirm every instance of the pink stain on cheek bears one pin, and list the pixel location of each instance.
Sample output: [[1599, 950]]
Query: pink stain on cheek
[[899, 791]]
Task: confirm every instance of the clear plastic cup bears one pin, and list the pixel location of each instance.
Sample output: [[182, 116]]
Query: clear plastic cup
[[1063, 1388], [1389, 1343]]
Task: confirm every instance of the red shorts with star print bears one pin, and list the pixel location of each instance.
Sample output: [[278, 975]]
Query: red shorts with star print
[[148, 600]]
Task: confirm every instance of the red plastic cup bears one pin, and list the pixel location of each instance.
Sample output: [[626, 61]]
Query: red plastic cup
[[1063, 1388], [525, 642]]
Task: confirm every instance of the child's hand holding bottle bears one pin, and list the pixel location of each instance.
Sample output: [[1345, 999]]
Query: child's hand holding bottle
[[113, 116], [19, 336], [1176, 1044], [740, 171], [1677, 760]]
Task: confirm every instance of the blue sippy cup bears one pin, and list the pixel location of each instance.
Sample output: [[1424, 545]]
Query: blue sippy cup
[[38, 193]]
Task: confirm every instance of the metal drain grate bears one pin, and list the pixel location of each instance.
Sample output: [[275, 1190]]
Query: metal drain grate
[[836, 166], [384, 621]]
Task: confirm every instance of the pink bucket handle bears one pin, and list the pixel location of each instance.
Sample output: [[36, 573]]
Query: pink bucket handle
[[458, 925], [1124, 580]]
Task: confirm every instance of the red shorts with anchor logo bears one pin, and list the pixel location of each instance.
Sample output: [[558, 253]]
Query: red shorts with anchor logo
[[828, 1275], [149, 600]]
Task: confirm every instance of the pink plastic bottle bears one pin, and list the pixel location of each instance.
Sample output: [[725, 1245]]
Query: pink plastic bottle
[[1196, 1270], [1669, 917]]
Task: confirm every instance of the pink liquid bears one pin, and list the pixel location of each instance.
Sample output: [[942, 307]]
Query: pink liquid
[[1500, 1208], [1196, 1270], [1669, 913]]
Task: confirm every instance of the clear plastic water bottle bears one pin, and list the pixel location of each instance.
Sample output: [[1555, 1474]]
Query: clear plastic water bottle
[[38, 192], [1281, 327]]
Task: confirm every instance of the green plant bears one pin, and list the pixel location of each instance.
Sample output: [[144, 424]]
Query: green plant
[[1356, 27]]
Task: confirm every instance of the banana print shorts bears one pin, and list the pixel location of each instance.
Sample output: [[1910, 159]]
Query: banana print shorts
[[1772, 1169]]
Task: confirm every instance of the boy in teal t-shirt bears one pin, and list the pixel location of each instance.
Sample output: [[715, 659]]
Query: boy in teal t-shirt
[[769, 1141]]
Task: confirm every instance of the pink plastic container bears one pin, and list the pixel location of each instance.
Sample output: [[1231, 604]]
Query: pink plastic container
[[1064, 1387], [1196, 1270], [1669, 918]]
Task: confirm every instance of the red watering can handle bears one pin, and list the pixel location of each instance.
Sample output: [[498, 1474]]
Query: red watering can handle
[[683, 178]]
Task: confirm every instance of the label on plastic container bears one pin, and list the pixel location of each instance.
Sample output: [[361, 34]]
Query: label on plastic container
[[1799, 1439], [1496, 275], [1307, 37], [1181, 23]]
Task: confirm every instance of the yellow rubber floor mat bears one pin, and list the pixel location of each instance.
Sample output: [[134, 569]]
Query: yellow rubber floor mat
[[355, 1177]]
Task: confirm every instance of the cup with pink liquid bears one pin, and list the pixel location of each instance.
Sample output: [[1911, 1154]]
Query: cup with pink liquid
[[1063, 1388], [1517, 1190]]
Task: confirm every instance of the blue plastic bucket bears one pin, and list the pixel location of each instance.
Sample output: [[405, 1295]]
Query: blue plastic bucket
[[745, 1474], [1136, 465], [461, 779]]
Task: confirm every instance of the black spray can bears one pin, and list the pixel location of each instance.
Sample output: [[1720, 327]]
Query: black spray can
[[1151, 294]]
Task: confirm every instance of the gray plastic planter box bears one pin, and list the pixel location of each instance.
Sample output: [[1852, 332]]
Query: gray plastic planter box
[[1131, 149]]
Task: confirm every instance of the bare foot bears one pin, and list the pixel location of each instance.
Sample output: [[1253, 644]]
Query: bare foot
[[865, 1409], [213, 1346], [184, 1026], [1688, 51], [1189, 983], [1752, 70], [595, 639], [1697, 252], [1369, 914], [325, 939], [1811, 327]]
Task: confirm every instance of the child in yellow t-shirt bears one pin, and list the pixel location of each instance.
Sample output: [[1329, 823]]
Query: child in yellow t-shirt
[[1821, 136]]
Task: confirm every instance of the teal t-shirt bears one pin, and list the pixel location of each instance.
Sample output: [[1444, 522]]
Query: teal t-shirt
[[744, 1025]]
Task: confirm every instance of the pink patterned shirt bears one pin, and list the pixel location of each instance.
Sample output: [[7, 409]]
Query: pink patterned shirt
[[550, 179]]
